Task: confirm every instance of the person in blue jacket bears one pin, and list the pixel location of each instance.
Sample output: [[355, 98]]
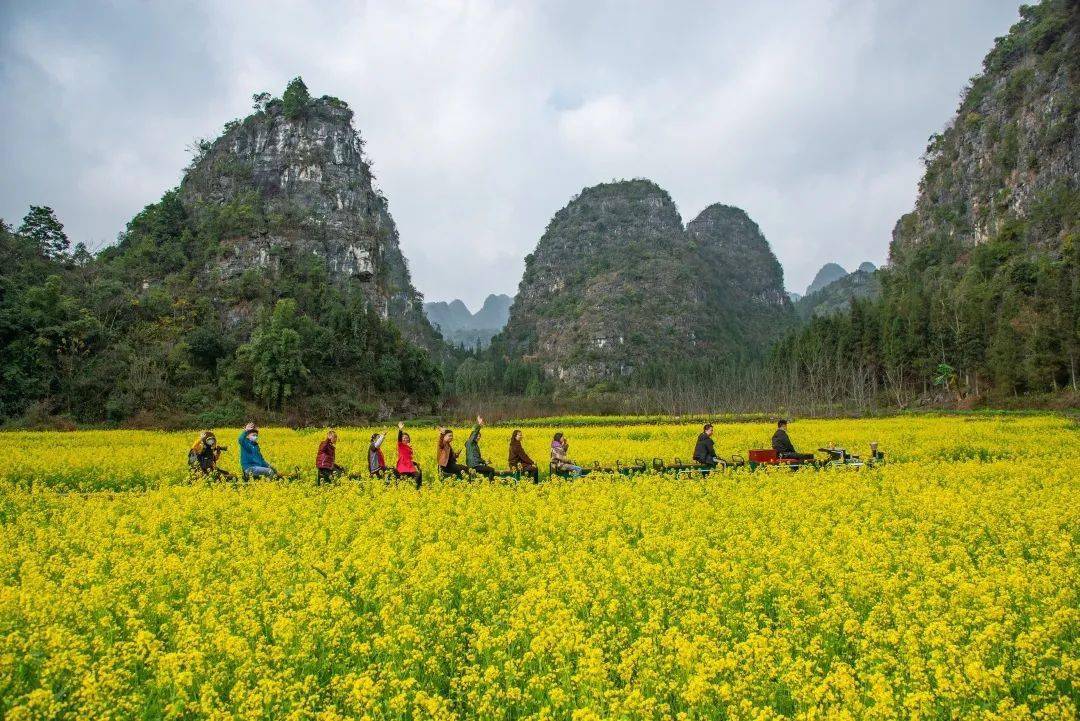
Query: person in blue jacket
[[252, 462]]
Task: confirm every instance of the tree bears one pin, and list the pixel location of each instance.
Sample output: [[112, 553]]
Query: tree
[[295, 99], [42, 227], [276, 356], [945, 377], [259, 101]]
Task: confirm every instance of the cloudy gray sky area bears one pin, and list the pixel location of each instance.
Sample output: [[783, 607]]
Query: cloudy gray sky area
[[483, 118]]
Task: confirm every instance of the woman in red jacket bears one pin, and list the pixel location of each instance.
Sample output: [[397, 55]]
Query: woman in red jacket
[[325, 461], [406, 466]]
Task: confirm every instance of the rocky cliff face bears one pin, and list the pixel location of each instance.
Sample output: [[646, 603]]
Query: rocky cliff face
[[1012, 152], [297, 178], [984, 273], [617, 287]]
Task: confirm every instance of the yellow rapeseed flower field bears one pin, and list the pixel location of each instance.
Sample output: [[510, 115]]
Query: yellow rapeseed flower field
[[944, 584]]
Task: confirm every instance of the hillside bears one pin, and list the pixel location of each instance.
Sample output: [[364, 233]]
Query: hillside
[[982, 290], [618, 290], [271, 276]]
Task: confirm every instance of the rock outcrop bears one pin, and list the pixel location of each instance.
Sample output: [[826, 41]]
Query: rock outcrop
[[295, 175], [617, 288], [1012, 152]]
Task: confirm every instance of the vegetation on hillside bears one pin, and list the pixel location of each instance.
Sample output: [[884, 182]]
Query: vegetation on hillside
[[984, 274], [141, 329]]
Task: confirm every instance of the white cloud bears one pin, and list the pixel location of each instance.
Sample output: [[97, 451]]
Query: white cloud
[[483, 118]]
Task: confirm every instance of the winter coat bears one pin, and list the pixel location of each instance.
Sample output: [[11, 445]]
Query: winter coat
[[325, 457], [472, 449], [705, 450], [405, 462], [518, 456], [781, 443], [250, 454]]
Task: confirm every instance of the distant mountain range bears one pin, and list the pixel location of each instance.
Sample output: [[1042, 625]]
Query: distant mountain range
[[459, 326], [833, 289]]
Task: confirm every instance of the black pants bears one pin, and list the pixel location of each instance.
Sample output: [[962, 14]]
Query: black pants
[[416, 475], [453, 469], [707, 464], [218, 474], [327, 475], [484, 470], [531, 471]]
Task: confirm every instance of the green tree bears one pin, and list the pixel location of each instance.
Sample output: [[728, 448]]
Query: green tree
[[296, 98], [42, 227], [275, 355]]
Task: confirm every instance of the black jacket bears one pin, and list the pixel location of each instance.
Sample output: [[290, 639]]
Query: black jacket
[[781, 443], [705, 450]]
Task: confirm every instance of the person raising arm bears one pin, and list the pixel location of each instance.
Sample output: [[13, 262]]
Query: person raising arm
[[406, 466], [473, 458]]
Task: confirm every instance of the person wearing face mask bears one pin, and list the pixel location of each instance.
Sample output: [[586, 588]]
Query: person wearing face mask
[[252, 462], [204, 455]]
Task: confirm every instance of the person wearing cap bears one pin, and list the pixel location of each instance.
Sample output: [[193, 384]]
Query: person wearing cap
[[203, 456], [252, 462]]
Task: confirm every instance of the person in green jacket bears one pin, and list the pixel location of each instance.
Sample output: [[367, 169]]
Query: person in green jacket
[[473, 458]]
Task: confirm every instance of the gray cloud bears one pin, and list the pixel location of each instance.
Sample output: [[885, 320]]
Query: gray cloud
[[483, 118]]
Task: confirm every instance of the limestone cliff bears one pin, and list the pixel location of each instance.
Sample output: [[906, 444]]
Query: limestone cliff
[[297, 168]]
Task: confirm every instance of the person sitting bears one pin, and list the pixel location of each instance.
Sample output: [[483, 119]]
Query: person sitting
[[560, 461], [782, 444], [520, 459], [325, 461], [473, 457], [705, 449], [448, 457], [376, 463], [204, 455], [406, 466], [252, 462]]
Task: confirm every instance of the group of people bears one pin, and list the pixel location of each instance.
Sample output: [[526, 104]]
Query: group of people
[[205, 453]]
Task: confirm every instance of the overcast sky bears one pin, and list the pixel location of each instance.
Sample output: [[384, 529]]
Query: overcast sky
[[482, 119]]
